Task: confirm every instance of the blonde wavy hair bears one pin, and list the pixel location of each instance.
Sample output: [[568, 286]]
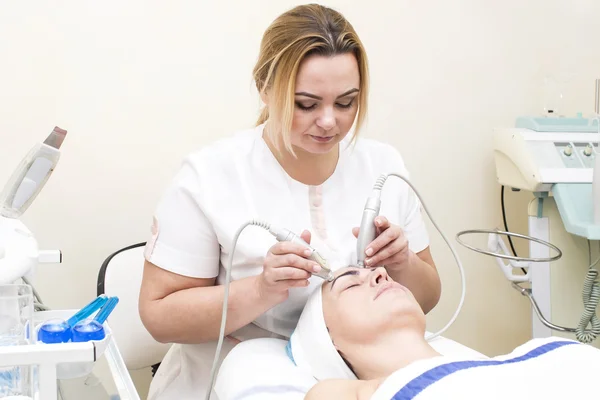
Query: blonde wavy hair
[[303, 31]]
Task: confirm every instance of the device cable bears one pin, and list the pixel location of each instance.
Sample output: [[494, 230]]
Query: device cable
[[214, 368], [512, 247], [377, 188], [591, 298]]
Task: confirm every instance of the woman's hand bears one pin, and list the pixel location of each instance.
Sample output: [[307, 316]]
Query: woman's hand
[[390, 247], [285, 267]]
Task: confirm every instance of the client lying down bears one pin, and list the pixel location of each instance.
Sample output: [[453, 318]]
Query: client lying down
[[364, 325]]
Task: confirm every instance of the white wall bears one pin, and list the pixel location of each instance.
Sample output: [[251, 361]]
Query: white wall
[[139, 84]]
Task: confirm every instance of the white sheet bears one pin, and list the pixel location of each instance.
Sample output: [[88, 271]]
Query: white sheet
[[260, 369], [552, 368]]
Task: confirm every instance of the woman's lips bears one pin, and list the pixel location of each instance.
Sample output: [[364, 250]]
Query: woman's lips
[[322, 139], [387, 286]]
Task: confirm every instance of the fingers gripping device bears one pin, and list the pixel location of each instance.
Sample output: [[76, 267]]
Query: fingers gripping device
[[366, 235], [285, 235]]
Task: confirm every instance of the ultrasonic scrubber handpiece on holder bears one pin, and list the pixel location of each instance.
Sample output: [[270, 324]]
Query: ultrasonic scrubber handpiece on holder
[[19, 252], [31, 175]]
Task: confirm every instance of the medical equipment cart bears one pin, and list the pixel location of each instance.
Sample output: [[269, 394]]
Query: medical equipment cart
[[68, 371]]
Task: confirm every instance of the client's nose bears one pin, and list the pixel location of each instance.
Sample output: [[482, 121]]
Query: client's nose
[[378, 276]]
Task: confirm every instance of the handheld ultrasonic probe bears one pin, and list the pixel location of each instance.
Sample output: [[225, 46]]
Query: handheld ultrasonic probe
[[284, 235], [368, 230]]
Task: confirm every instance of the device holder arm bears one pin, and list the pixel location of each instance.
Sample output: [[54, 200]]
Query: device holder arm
[[591, 293], [497, 245]]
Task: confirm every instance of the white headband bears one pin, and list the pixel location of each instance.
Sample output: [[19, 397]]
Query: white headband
[[310, 345]]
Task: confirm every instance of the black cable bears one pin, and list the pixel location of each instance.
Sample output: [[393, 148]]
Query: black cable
[[512, 247]]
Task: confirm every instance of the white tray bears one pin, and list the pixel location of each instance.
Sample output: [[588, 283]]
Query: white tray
[[72, 370]]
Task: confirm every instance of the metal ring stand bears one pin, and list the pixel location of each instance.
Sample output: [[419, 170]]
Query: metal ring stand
[[524, 291], [498, 232]]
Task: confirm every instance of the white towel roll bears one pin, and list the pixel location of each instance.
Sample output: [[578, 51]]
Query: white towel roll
[[310, 345]]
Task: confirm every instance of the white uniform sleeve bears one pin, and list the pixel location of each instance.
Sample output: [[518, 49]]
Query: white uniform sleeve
[[183, 240], [413, 226]]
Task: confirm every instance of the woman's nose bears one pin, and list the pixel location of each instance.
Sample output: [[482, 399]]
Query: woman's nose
[[326, 120], [378, 275]]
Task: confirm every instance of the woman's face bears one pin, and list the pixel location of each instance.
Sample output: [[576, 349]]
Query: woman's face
[[325, 104], [361, 304]]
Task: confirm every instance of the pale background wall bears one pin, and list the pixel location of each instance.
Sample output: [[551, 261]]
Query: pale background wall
[[139, 84]]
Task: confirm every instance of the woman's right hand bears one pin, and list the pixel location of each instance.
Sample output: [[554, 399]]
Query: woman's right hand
[[286, 266]]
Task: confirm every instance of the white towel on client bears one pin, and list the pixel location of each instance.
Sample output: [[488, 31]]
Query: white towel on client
[[551, 368]]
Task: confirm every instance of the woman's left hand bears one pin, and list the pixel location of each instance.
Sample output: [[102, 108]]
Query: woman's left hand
[[390, 247]]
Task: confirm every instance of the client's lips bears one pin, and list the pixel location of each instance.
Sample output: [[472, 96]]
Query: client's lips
[[387, 286]]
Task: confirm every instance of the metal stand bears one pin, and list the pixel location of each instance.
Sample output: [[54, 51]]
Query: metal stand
[[539, 277]]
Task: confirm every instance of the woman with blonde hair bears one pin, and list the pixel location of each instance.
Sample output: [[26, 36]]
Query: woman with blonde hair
[[303, 167]]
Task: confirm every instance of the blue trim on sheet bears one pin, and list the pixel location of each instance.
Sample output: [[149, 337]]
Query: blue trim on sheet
[[288, 350], [428, 378]]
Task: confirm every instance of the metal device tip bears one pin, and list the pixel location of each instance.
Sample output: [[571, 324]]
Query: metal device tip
[[56, 137]]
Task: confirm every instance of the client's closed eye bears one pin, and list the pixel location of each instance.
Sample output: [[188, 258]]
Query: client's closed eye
[[347, 274]]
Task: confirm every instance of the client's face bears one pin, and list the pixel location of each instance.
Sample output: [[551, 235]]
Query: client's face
[[361, 304]]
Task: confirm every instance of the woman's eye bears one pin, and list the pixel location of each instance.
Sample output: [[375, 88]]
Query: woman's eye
[[346, 105], [306, 107], [351, 286]]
